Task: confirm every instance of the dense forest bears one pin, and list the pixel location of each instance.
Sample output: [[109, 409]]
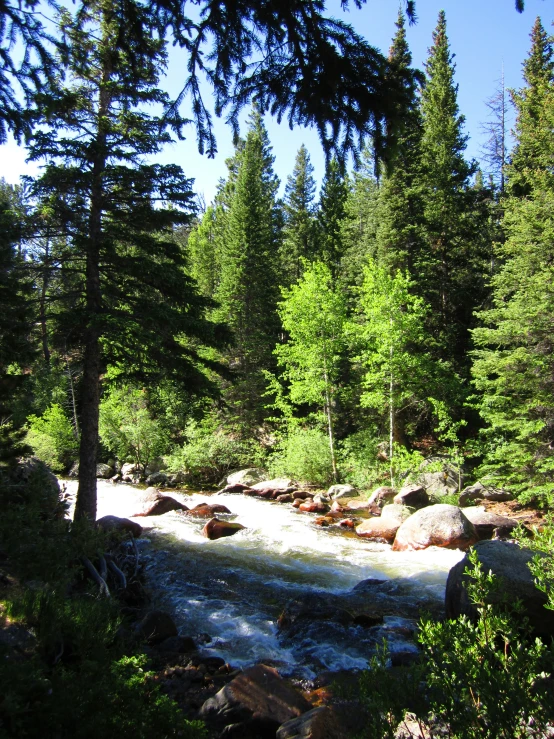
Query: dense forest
[[404, 317]]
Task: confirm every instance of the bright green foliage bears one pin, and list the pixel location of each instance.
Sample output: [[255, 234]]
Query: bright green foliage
[[299, 229], [313, 314], [542, 566], [334, 191], [304, 454], [487, 679], [248, 285], [127, 428], [53, 438], [202, 252], [390, 335], [514, 365]]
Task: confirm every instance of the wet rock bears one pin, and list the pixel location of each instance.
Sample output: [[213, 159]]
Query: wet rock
[[207, 510], [236, 487], [302, 494], [437, 525], [342, 491], [485, 522], [216, 529], [509, 562], [337, 507], [315, 607], [347, 523], [324, 521], [157, 478], [247, 477], [382, 495], [297, 502], [116, 524], [319, 723], [104, 471], [412, 495], [162, 504], [357, 505], [379, 529], [396, 512], [285, 498], [177, 645], [480, 491], [310, 506], [156, 627], [259, 694], [322, 498]]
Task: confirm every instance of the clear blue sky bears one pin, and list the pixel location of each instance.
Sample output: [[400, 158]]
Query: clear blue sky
[[484, 35]]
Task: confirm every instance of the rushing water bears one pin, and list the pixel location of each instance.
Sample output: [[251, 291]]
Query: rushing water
[[233, 589]]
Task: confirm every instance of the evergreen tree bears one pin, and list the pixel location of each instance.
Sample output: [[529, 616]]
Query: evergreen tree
[[298, 238], [247, 291], [514, 366], [538, 72], [130, 302], [334, 191], [399, 212], [451, 257], [203, 254]]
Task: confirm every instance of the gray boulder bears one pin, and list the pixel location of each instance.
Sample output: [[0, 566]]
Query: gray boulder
[[510, 563], [396, 512], [248, 477], [480, 491], [157, 478], [342, 491], [437, 525], [104, 471], [382, 495], [279, 483], [485, 522], [413, 495]]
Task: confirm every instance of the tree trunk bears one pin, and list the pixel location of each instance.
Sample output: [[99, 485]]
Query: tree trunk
[[330, 428]]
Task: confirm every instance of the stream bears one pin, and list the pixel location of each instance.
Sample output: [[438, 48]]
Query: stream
[[229, 593]]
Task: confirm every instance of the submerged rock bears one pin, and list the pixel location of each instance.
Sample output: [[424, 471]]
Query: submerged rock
[[216, 529], [437, 525]]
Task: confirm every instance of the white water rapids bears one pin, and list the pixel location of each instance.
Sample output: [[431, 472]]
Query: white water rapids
[[234, 588]]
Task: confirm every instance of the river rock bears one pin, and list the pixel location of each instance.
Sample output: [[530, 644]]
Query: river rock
[[297, 502], [207, 510], [396, 512], [216, 529], [413, 495], [130, 469], [357, 505], [157, 478], [486, 522], [280, 483], [248, 477], [322, 498], [311, 506], [509, 562], [235, 487], [479, 491], [74, 470], [302, 494], [347, 523], [104, 471], [337, 507], [285, 498], [437, 525], [259, 695], [379, 529], [342, 491], [116, 524], [162, 504], [382, 495], [319, 723], [157, 626]]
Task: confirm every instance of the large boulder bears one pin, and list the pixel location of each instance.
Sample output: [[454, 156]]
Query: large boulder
[[396, 512], [486, 522], [413, 495], [379, 529], [119, 525], [438, 476], [157, 478], [162, 504], [510, 563], [480, 491], [257, 696], [248, 477], [319, 723], [382, 495], [438, 525], [281, 484], [216, 529], [157, 626], [104, 471], [342, 491]]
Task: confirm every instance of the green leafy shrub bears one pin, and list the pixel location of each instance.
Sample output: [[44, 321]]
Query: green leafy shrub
[[304, 454], [53, 438], [127, 428], [358, 460], [211, 453]]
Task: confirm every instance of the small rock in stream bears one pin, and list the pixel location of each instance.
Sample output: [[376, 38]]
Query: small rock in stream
[[216, 529]]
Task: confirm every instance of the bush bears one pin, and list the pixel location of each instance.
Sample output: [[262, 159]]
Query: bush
[[358, 460], [211, 453], [305, 455], [53, 438]]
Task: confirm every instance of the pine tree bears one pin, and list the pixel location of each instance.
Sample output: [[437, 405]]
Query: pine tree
[[298, 238], [334, 191], [514, 366], [203, 253], [538, 72], [247, 291], [451, 257], [130, 302]]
